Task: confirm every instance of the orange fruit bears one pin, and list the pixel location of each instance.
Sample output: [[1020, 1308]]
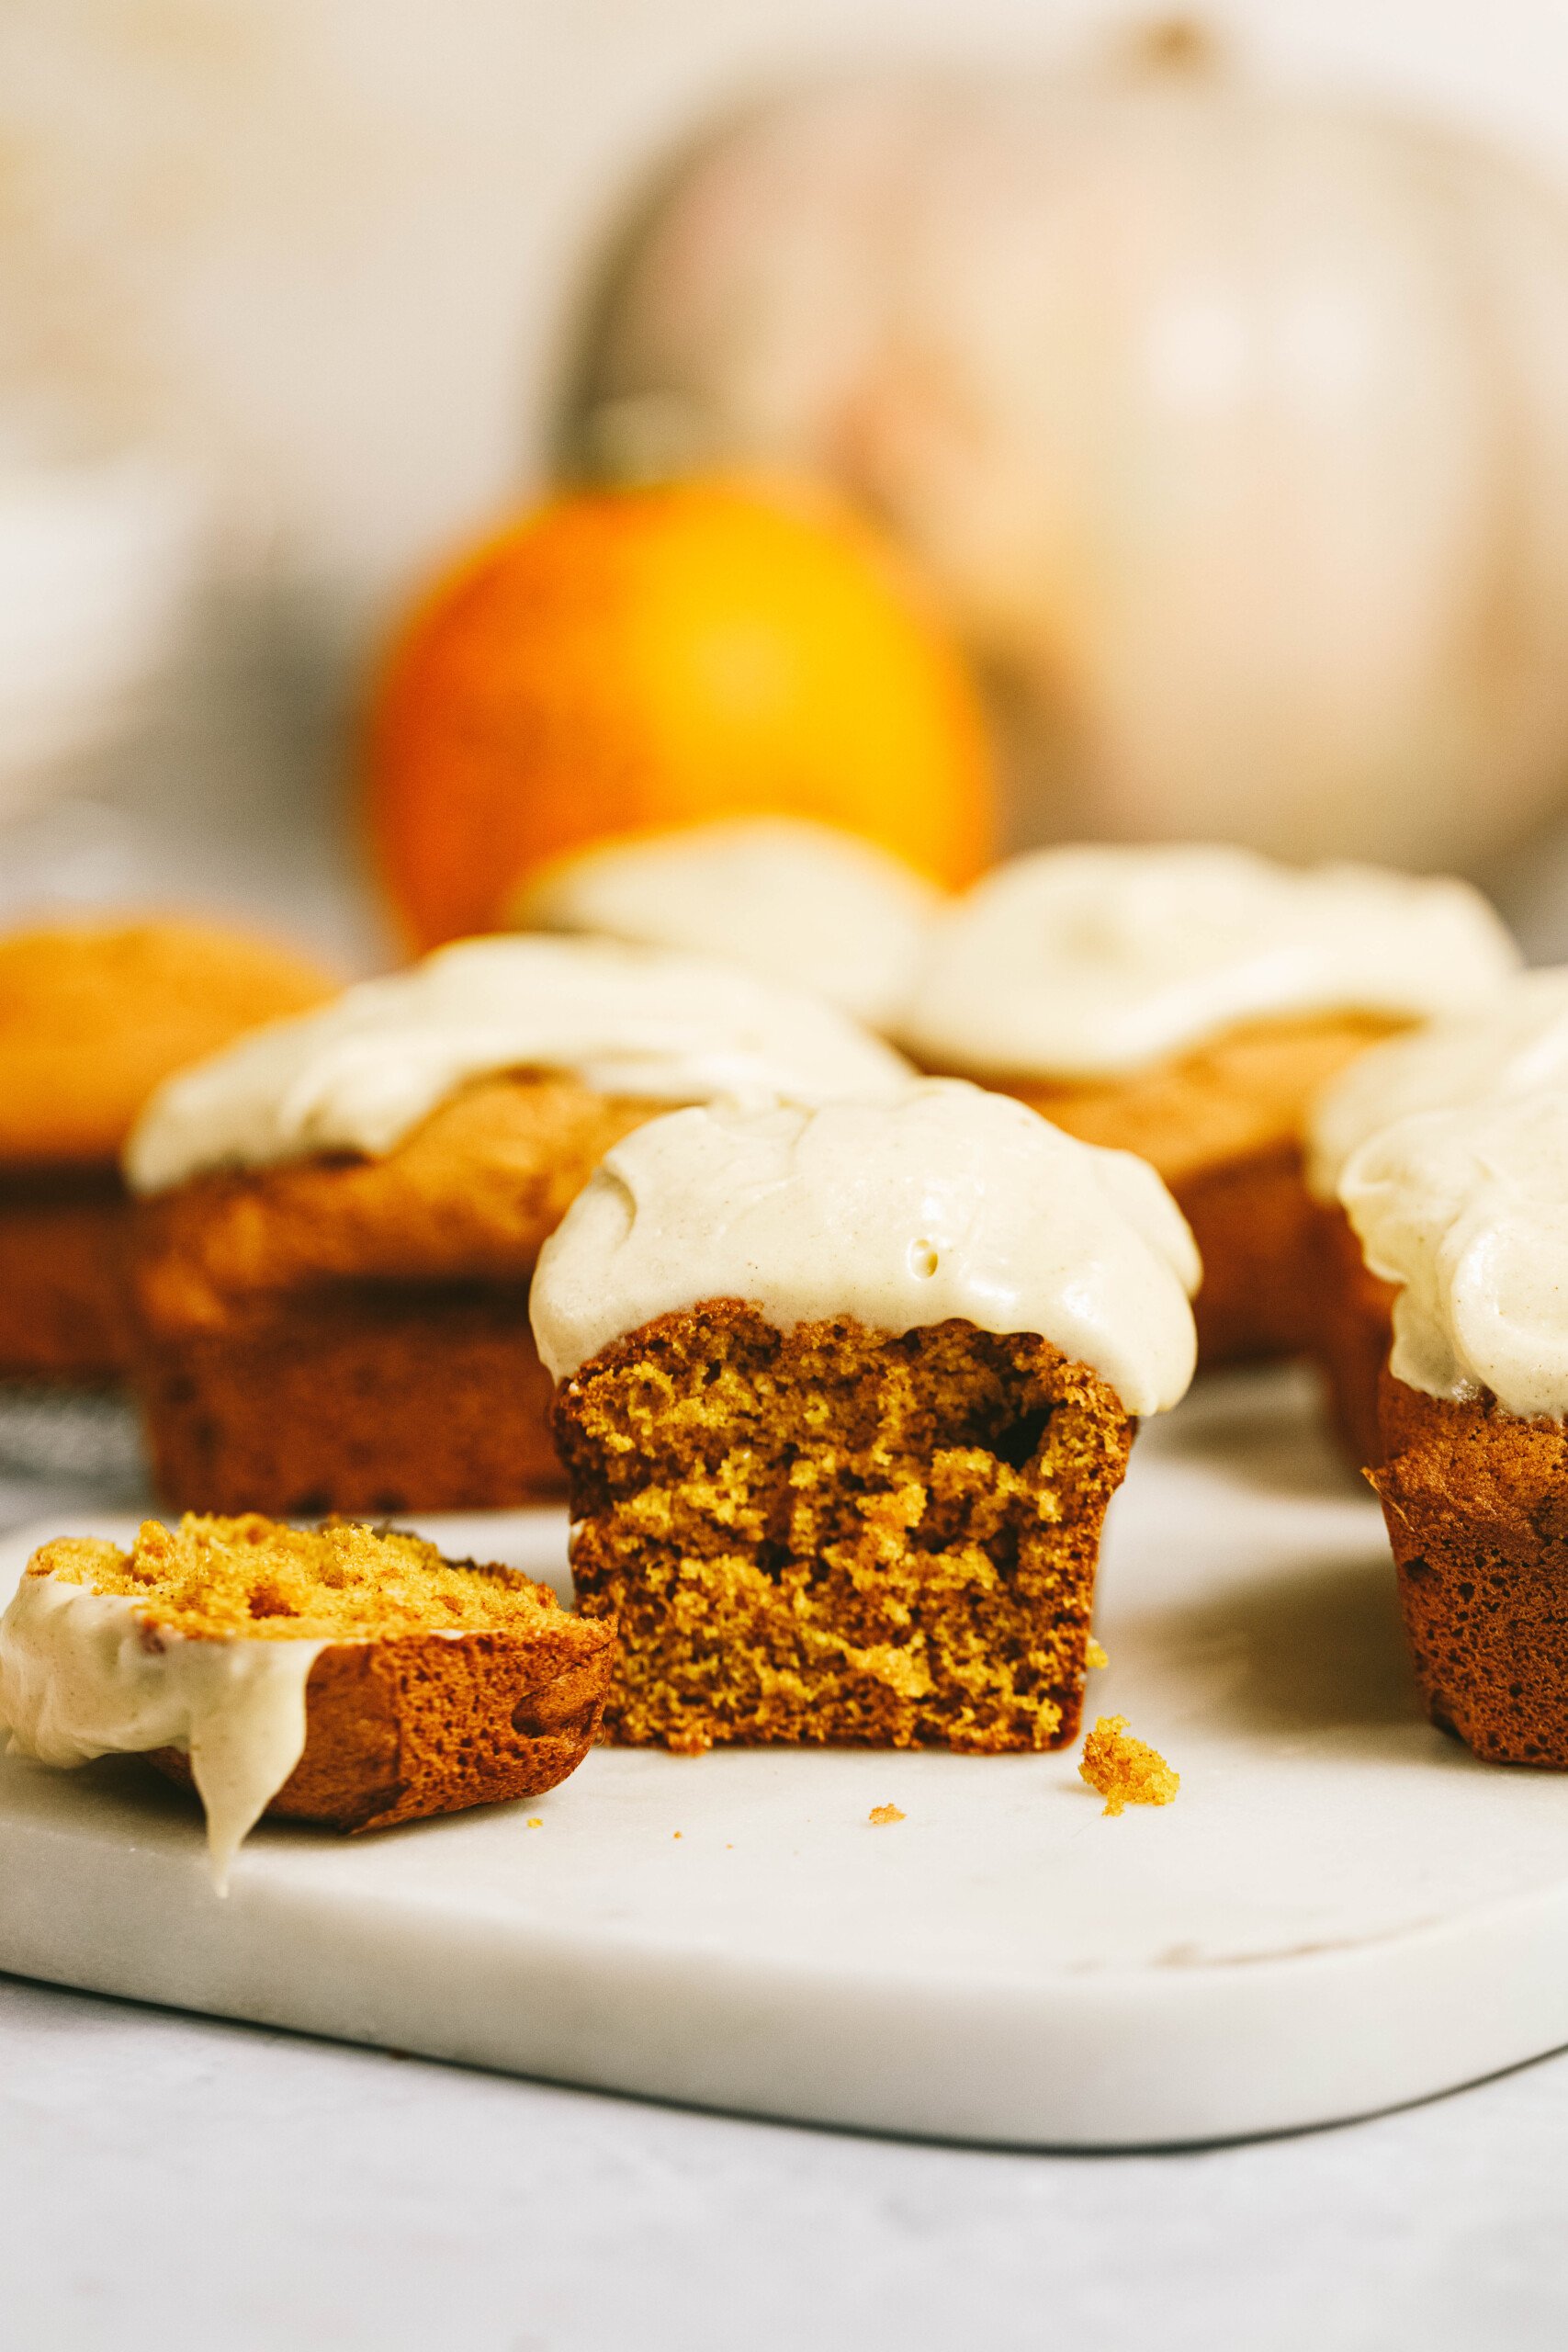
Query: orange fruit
[[623, 659]]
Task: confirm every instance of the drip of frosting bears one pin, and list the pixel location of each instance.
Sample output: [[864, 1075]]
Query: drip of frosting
[[948, 1202], [1513, 1047], [85, 1674], [1091, 962], [1467, 1211], [796, 902], [361, 1072]]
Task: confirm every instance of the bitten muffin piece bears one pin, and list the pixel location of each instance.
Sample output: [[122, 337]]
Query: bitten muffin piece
[[833, 1535], [338, 1224], [1465, 1212], [91, 1018], [844, 1396], [1188, 1003], [350, 1675]]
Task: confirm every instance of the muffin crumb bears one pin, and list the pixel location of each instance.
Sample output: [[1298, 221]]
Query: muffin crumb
[[1096, 1654], [1125, 1771], [881, 1814]]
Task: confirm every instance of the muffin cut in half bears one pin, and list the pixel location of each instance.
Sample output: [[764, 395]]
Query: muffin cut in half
[[1465, 1212], [1188, 1003], [338, 1227], [350, 1675], [845, 1394], [91, 1018], [1515, 1045]]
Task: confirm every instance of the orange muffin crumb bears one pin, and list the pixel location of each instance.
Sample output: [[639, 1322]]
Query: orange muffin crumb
[[1125, 1771], [881, 1814]]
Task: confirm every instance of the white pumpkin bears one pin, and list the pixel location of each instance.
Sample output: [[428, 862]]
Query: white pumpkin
[[1232, 428]]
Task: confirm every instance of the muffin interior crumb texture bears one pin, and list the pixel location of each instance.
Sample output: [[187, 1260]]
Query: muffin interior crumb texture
[[220, 1578], [834, 1535], [1125, 1771]]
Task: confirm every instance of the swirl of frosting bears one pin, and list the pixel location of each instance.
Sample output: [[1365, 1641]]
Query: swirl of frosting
[[798, 902], [1091, 962], [943, 1202], [361, 1072], [1513, 1047], [1467, 1211]]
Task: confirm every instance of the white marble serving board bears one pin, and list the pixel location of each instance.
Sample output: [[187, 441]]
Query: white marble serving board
[[1342, 1910]]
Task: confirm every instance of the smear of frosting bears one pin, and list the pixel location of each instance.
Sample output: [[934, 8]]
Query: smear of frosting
[[1088, 962], [85, 1674], [361, 1072], [947, 1202], [1513, 1047], [801, 903], [1467, 1211]]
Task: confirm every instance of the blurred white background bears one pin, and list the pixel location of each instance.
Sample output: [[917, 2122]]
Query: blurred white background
[[327, 253]]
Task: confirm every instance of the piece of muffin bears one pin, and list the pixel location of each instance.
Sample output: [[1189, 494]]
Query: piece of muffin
[[1516, 1045], [338, 1224], [845, 1394], [1465, 1212], [92, 1016], [1188, 1003], [806, 904], [349, 1676]]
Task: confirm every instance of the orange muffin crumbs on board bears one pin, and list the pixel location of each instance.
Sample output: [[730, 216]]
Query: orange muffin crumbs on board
[[1125, 1771], [882, 1813]]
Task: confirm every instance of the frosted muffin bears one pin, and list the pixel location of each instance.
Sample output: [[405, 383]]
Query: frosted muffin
[[92, 1016], [1465, 1213], [1517, 1046], [338, 1222], [350, 1675], [844, 1396], [806, 904], [1188, 1003]]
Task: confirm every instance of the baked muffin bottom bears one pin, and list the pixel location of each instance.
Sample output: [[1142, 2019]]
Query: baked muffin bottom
[[1353, 1332], [833, 1535], [1223, 1125], [1476, 1505], [64, 1312], [373, 1397]]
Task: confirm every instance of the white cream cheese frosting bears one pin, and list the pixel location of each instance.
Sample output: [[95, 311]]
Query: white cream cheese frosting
[[945, 1201], [1467, 1211], [1091, 962], [1515, 1046], [85, 1674], [794, 901], [363, 1071]]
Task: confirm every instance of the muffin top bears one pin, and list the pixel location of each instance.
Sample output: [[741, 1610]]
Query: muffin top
[[944, 1202], [1515, 1046], [635, 1023], [804, 904], [92, 1016], [1091, 962], [1467, 1211]]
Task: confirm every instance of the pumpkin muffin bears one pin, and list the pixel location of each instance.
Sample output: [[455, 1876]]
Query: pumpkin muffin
[[92, 1016], [338, 1224], [1465, 1213], [807, 904], [1188, 1003], [349, 1676], [1517, 1046], [844, 1396]]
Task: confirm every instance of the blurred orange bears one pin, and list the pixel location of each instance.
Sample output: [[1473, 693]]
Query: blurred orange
[[637, 658]]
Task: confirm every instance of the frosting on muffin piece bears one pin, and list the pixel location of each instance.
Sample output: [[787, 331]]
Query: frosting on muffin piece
[[800, 902], [947, 1202], [1088, 962], [1513, 1047], [1467, 1211], [636, 1022]]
